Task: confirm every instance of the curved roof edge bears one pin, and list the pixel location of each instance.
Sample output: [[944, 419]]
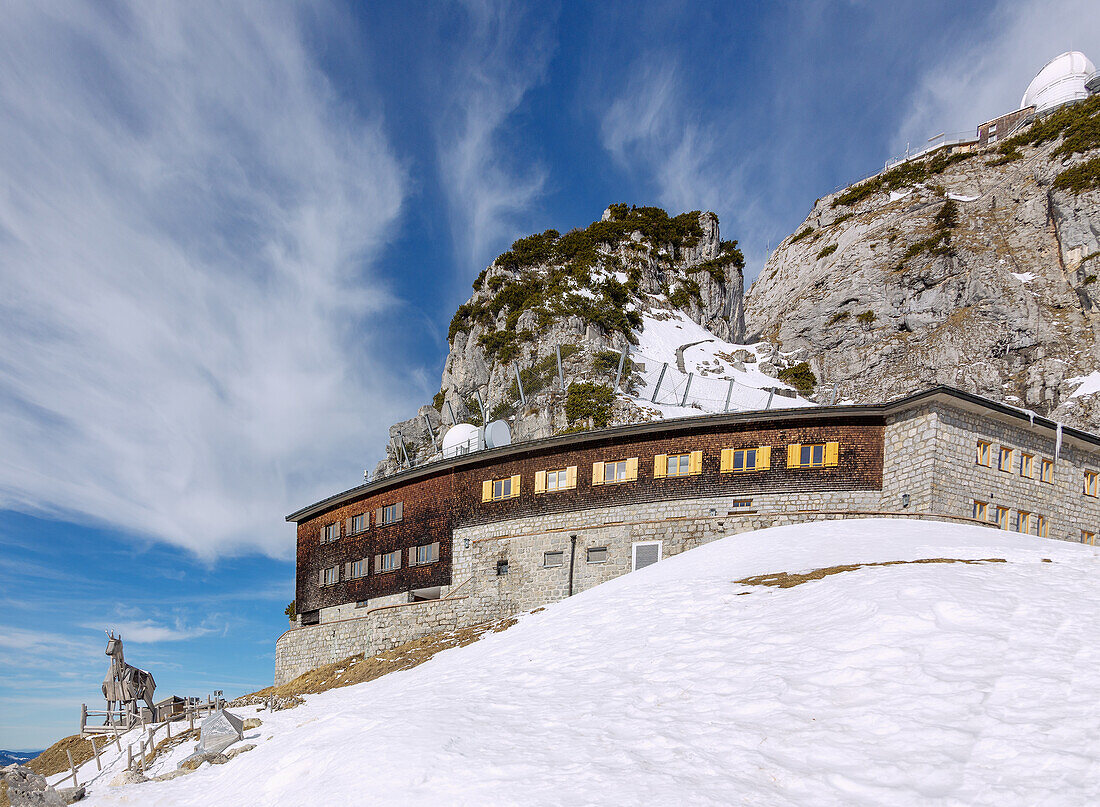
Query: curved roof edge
[[969, 399]]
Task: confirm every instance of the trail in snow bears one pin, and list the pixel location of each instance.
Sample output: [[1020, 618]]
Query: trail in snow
[[938, 684]]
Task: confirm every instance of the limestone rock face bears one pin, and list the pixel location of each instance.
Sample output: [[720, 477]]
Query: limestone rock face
[[584, 292], [981, 276]]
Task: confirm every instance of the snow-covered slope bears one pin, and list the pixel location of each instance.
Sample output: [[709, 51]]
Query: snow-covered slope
[[929, 684]]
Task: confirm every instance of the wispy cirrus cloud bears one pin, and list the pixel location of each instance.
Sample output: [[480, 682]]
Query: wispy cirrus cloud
[[187, 222], [504, 52]]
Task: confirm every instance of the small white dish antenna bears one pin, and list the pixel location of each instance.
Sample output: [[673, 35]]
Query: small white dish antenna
[[497, 434], [461, 438]]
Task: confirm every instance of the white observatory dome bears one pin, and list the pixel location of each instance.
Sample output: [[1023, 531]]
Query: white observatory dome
[[462, 438], [1060, 81]]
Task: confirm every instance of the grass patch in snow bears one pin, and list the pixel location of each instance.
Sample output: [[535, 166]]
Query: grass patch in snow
[[53, 759], [789, 580]]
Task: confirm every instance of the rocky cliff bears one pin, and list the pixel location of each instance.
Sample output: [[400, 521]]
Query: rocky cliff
[[974, 269], [587, 293]]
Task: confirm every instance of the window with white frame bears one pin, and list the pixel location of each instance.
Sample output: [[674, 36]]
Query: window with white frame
[[553, 558], [678, 465], [557, 480], [614, 471]]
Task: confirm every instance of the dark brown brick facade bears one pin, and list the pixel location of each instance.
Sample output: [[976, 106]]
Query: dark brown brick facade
[[437, 503]]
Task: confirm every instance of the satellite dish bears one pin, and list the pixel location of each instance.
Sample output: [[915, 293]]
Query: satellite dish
[[461, 438], [497, 434]]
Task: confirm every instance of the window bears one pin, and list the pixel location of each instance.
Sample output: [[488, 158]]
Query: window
[[423, 555], [1004, 460], [597, 554], [1090, 483], [981, 510], [357, 568], [645, 554], [815, 455], [983, 453], [610, 473], [550, 559], [1027, 463], [390, 514], [741, 504], [552, 481], [1046, 471], [1002, 517], [502, 568], [1041, 527], [358, 523], [1022, 518], [1088, 537], [389, 562], [743, 460], [330, 533], [495, 490], [678, 464], [330, 576]]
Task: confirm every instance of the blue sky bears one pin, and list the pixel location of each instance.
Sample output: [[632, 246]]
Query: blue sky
[[231, 239]]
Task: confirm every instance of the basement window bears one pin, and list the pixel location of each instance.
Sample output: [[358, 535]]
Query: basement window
[[741, 504], [550, 559], [597, 554]]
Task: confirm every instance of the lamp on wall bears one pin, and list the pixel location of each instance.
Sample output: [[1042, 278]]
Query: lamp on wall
[[905, 500]]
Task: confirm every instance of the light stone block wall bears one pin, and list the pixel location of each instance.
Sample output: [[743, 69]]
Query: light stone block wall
[[960, 480], [909, 460], [350, 610]]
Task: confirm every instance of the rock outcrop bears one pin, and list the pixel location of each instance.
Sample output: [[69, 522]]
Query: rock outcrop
[[584, 293], [976, 270]]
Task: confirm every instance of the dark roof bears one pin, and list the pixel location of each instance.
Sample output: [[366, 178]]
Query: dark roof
[[966, 400]]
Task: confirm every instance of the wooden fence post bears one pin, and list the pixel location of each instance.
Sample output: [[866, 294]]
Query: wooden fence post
[[72, 767], [129, 756], [95, 753]]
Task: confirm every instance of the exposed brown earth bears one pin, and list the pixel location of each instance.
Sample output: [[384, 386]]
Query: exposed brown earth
[[788, 580]]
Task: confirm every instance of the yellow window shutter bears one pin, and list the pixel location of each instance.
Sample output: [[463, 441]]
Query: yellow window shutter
[[660, 466], [487, 490], [832, 454], [515, 486], [763, 458], [727, 460], [794, 455], [540, 481], [631, 469], [695, 463], [571, 476], [597, 473]]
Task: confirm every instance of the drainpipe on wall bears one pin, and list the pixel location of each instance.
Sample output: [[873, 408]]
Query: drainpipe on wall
[[572, 555]]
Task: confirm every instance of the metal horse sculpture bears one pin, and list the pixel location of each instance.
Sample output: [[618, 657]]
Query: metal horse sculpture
[[126, 684]]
